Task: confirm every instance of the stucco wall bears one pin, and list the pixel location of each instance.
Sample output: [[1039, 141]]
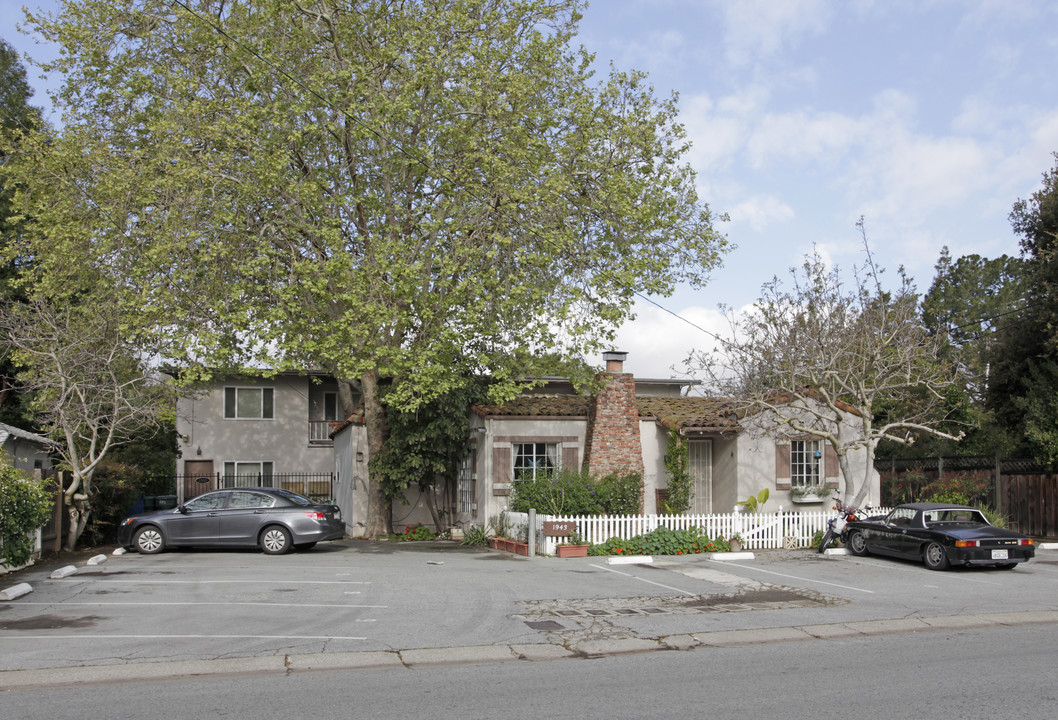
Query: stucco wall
[[350, 464], [654, 441], [283, 440], [500, 432]]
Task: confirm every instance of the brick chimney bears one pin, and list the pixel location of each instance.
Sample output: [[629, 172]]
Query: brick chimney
[[613, 443]]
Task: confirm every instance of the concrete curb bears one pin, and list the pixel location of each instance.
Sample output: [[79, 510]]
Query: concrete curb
[[487, 654], [15, 591]]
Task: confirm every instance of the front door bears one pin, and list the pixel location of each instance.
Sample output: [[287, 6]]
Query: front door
[[700, 466], [198, 478]]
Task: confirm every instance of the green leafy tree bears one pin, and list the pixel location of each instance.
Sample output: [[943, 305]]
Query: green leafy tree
[[1024, 357], [851, 367], [17, 116], [408, 192], [969, 296]]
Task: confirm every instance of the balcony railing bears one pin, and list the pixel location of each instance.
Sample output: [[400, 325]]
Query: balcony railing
[[320, 432]]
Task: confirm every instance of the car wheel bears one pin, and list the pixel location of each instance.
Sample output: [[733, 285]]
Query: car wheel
[[856, 543], [1006, 566], [935, 557], [149, 540], [275, 540], [304, 546]]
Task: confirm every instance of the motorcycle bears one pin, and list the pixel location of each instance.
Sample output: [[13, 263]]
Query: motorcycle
[[836, 526]]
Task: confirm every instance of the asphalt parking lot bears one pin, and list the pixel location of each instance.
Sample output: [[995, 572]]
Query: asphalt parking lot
[[357, 596]]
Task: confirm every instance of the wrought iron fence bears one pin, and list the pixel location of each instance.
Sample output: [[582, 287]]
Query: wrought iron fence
[[316, 486]]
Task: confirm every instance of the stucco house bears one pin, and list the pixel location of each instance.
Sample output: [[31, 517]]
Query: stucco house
[[258, 429], [625, 426], [25, 450]]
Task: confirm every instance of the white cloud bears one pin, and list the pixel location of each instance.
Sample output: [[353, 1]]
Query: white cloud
[[762, 28], [657, 342], [760, 211]]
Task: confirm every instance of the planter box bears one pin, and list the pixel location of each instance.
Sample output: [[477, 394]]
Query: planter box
[[511, 546], [806, 499], [564, 551]]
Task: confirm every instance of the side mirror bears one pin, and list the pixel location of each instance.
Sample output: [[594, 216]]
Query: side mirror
[[182, 509]]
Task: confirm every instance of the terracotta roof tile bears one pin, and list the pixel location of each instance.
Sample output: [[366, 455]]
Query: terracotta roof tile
[[695, 413], [539, 406]]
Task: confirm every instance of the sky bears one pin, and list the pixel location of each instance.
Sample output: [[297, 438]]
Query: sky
[[928, 118]]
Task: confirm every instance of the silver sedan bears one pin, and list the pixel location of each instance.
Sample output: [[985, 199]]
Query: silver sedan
[[273, 520]]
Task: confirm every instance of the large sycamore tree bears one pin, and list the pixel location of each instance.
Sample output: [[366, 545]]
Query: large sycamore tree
[[396, 191], [848, 365]]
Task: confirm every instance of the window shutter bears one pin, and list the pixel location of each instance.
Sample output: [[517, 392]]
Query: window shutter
[[831, 470], [782, 466], [571, 458], [501, 470]]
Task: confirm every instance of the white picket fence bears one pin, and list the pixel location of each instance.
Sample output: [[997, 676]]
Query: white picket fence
[[759, 531]]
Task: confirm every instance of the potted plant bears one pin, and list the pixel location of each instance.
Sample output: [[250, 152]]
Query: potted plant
[[735, 541], [573, 547]]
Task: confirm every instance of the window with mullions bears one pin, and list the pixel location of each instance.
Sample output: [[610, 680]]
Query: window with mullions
[[249, 403], [535, 460], [805, 456]]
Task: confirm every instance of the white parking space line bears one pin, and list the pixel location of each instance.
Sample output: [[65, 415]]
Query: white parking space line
[[667, 587], [148, 581], [250, 604], [81, 636], [794, 577]]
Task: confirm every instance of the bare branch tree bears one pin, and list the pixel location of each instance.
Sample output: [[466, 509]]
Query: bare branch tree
[[91, 388], [849, 366]]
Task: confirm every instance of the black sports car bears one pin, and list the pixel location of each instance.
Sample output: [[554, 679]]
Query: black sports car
[[939, 534], [273, 520]]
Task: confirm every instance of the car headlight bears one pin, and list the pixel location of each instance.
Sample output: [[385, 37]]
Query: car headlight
[[127, 520]]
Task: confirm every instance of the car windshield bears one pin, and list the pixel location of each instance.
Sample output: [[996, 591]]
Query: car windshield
[[954, 515]]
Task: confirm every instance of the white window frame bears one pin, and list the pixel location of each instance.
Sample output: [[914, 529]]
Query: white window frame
[[265, 471], [806, 463], [231, 402], [544, 458]]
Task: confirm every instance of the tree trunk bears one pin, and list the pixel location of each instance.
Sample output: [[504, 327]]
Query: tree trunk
[[431, 504], [78, 510], [345, 395], [379, 518]]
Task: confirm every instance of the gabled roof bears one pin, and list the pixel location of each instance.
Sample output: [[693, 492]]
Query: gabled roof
[[702, 414], [538, 406], [6, 430]]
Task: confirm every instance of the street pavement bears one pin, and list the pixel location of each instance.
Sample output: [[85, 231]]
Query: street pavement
[[363, 604]]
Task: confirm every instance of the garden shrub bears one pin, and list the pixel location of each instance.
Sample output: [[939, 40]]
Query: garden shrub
[[577, 492], [25, 505], [662, 541], [115, 487], [416, 532], [622, 493], [567, 492]]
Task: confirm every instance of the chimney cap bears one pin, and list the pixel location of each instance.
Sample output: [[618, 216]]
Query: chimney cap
[[617, 355]]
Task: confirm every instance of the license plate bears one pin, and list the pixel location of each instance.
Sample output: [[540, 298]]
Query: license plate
[[1000, 555]]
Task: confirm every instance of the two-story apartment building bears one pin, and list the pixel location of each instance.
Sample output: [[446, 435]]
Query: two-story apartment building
[[258, 430]]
